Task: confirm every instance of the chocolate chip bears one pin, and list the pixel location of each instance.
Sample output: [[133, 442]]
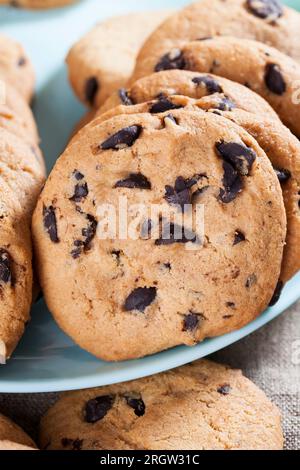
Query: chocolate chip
[[122, 139], [265, 9], [140, 298], [124, 97], [283, 175], [97, 408], [191, 321], [5, 267], [230, 304], [50, 223], [173, 233], [274, 79], [225, 104], [180, 194], [163, 105], [251, 281], [232, 183], [91, 90], [277, 294], [172, 60], [209, 83], [89, 232], [77, 175], [204, 38], [168, 266], [80, 192], [239, 156], [134, 180], [75, 444], [22, 61], [137, 404], [224, 389], [238, 237]]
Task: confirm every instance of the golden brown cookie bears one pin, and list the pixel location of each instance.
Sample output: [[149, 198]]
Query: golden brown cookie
[[15, 67], [126, 298], [266, 21], [12, 437], [238, 104], [103, 60], [201, 406]]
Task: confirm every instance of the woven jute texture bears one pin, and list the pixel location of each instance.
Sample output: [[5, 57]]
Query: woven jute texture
[[270, 357]]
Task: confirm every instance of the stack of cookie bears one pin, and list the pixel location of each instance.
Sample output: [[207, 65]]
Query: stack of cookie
[[22, 176], [202, 122]]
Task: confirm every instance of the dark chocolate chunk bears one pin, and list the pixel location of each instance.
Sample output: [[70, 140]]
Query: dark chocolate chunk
[[277, 294], [91, 90], [137, 404], [163, 105], [75, 444], [140, 298], [134, 180], [224, 389], [251, 281], [89, 232], [97, 408], [5, 267], [50, 223], [77, 175], [230, 304], [191, 321], [180, 194], [232, 183], [122, 139], [124, 97], [238, 155], [269, 10], [209, 83], [80, 192], [274, 79], [283, 175], [172, 60], [22, 61], [225, 104], [238, 237], [173, 233]]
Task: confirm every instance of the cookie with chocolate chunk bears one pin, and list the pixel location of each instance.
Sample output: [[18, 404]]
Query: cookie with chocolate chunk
[[165, 282], [103, 60], [16, 69], [203, 405], [20, 183], [240, 105], [263, 69], [12, 437], [267, 21]]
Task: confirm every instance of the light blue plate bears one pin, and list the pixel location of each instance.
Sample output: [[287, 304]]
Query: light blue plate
[[47, 360]]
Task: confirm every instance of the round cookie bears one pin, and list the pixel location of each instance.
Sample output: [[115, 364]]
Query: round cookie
[[12, 436], [39, 4], [243, 107], [15, 67], [265, 21], [122, 299], [263, 69], [103, 60], [201, 406], [21, 180]]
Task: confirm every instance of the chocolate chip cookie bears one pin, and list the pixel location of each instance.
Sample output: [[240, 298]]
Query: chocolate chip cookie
[[201, 406], [15, 67], [12, 437], [165, 283], [103, 60], [263, 69], [238, 104], [266, 21], [21, 179]]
